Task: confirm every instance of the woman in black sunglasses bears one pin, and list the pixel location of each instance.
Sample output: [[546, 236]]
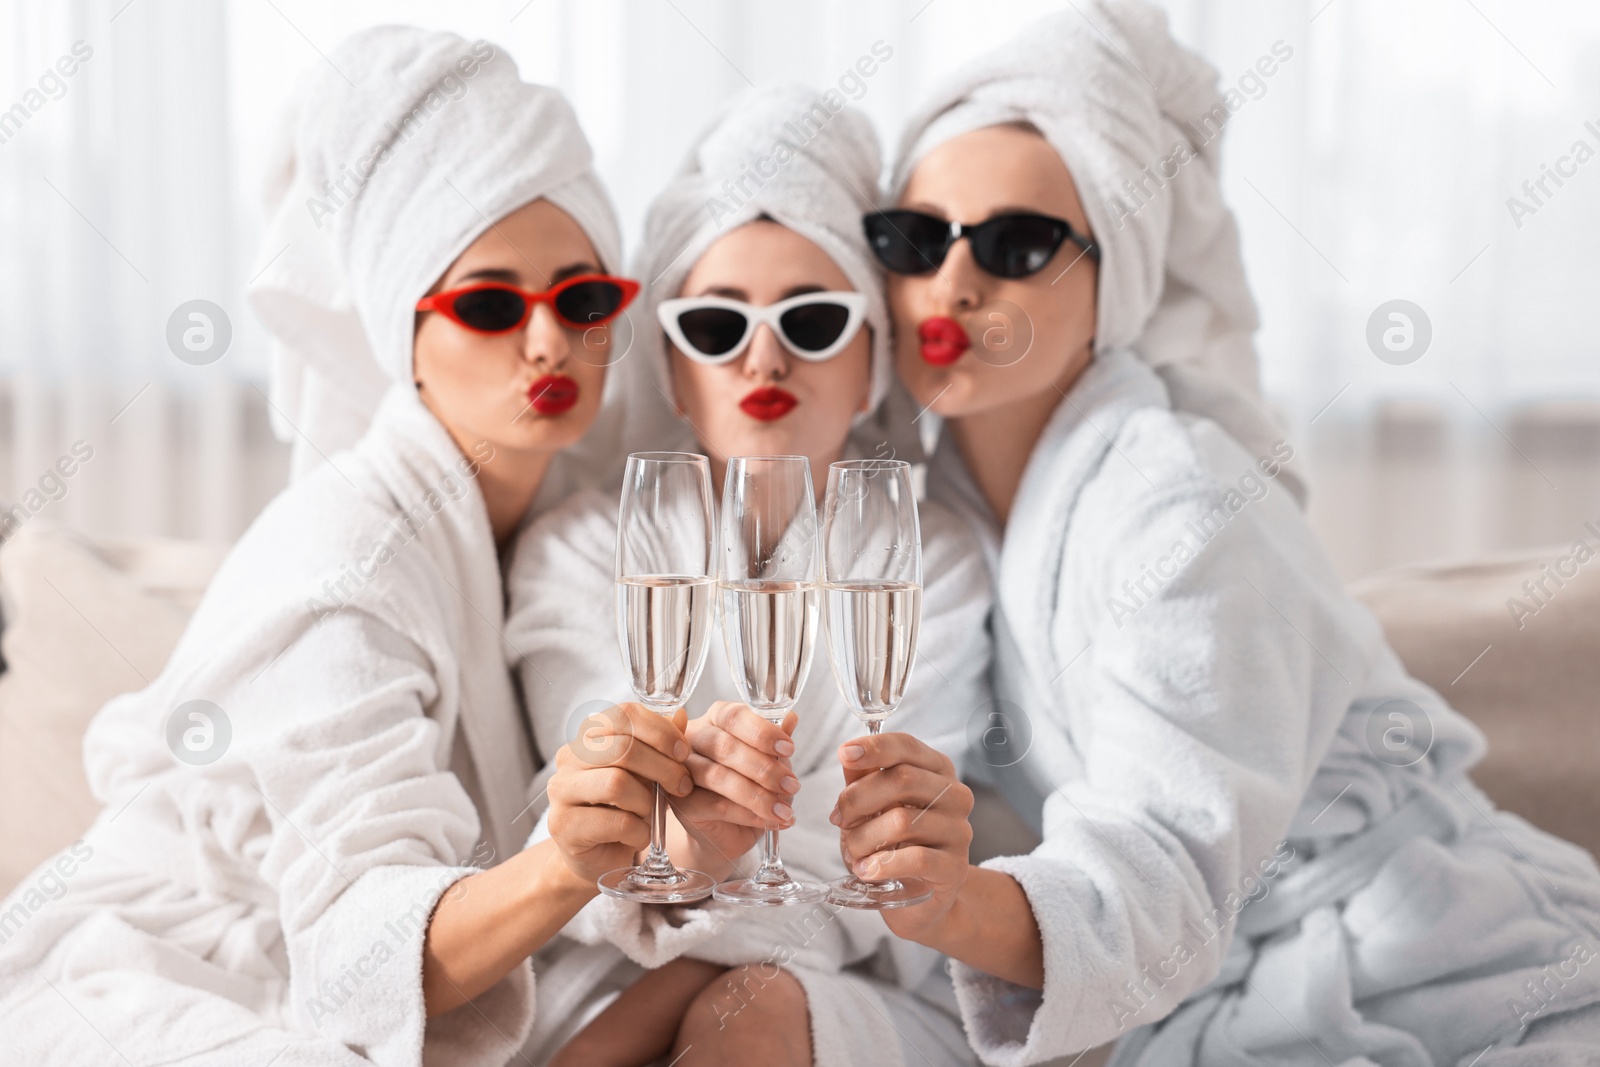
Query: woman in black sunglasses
[[770, 338], [1260, 843], [312, 849]]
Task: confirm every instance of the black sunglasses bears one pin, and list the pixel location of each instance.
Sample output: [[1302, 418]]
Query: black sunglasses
[[1008, 246]]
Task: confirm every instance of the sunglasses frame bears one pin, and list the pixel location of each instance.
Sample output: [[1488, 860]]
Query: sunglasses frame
[[445, 302], [956, 230], [855, 304]]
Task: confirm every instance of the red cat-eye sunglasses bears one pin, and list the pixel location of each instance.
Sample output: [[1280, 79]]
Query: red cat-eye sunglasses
[[497, 307]]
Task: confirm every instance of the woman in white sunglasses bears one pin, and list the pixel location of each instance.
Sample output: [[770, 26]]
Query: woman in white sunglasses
[[770, 338]]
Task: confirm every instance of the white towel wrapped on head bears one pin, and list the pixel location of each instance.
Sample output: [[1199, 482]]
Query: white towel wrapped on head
[[1114, 94], [398, 153], [779, 152]]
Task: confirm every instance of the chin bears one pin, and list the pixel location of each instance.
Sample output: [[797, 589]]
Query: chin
[[550, 433]]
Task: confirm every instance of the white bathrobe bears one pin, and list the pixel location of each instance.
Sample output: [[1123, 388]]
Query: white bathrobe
[[271, 906], [562, 619], [1211, 719]]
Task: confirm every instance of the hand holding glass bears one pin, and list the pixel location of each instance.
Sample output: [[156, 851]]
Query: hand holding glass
[[666, 589], [872, 589], [769, 621]]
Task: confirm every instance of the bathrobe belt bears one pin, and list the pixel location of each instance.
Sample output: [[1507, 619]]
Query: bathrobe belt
[[1346, 867]]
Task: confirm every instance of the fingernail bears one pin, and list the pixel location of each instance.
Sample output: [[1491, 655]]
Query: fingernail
[[680, 751], [863, 868], [783, 811], [833, 816], [784, 747], [685, 787], [790, 784], [853, 752]]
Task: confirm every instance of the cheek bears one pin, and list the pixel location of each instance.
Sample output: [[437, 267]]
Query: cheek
[[598, 346], [442, 357], [695, 388], [839, 387]]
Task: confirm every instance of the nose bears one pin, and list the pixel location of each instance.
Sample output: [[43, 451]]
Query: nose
[[545, 340], [959, 283], [766, 359]]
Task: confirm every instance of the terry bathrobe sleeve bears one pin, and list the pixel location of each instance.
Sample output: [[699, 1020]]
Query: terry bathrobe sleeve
[[562, 624], [1200, 695], [337, 791]]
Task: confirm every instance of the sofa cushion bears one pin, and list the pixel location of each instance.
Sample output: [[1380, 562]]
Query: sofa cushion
[[85, 621], [1525, 668]]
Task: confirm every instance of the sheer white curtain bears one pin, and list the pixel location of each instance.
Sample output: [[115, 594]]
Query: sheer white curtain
[[1379, 164], [1373, 164], [117, 204]]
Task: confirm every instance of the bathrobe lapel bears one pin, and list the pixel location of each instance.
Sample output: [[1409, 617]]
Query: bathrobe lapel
[[497, 764], [1075, 442]]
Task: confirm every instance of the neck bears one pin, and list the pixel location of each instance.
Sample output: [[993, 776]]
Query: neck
[[508, 480], [996, 444], [509, 483]]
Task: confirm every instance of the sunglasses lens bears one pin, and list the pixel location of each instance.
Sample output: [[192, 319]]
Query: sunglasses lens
[[491, 310], [813, 327], [589, 302], [712, 331], [1015, 246], [907, 242]]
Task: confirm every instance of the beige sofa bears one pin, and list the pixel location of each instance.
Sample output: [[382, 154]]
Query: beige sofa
[[85, 620]]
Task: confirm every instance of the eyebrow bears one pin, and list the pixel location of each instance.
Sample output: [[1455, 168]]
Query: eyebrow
[[1007, 209], [572, 270], [505, 274], [490, 274], [733, 292]]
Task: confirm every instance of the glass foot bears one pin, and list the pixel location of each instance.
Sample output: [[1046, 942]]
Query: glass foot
[[750, 893], [680, 887], [878, 896]]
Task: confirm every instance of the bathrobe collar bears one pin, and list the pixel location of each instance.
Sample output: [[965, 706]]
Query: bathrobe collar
[[1075, 443], [413, 455]]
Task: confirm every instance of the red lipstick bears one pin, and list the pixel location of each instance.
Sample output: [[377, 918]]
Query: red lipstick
[[943, 340], [553, 394], [768, 403]]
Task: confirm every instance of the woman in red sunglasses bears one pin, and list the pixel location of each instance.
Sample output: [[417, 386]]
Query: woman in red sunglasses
[[1259, 840], [312, 847], [770, 339]]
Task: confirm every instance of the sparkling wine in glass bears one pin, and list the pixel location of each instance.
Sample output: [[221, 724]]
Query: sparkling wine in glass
[[872, 592], [769, 622], [666, 601]]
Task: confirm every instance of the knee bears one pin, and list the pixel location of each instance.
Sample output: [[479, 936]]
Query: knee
[[757, 1004]]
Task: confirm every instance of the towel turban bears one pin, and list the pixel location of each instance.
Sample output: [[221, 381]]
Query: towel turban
[[1137, 118], [784, 153], [398, 153]]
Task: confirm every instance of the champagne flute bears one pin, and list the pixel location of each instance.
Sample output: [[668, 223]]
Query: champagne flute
[[872, 589], [769, 622], [666, 598]]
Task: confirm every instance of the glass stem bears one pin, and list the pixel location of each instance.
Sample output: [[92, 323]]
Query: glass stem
[[656, 862], [874, 728], [771, 871]]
